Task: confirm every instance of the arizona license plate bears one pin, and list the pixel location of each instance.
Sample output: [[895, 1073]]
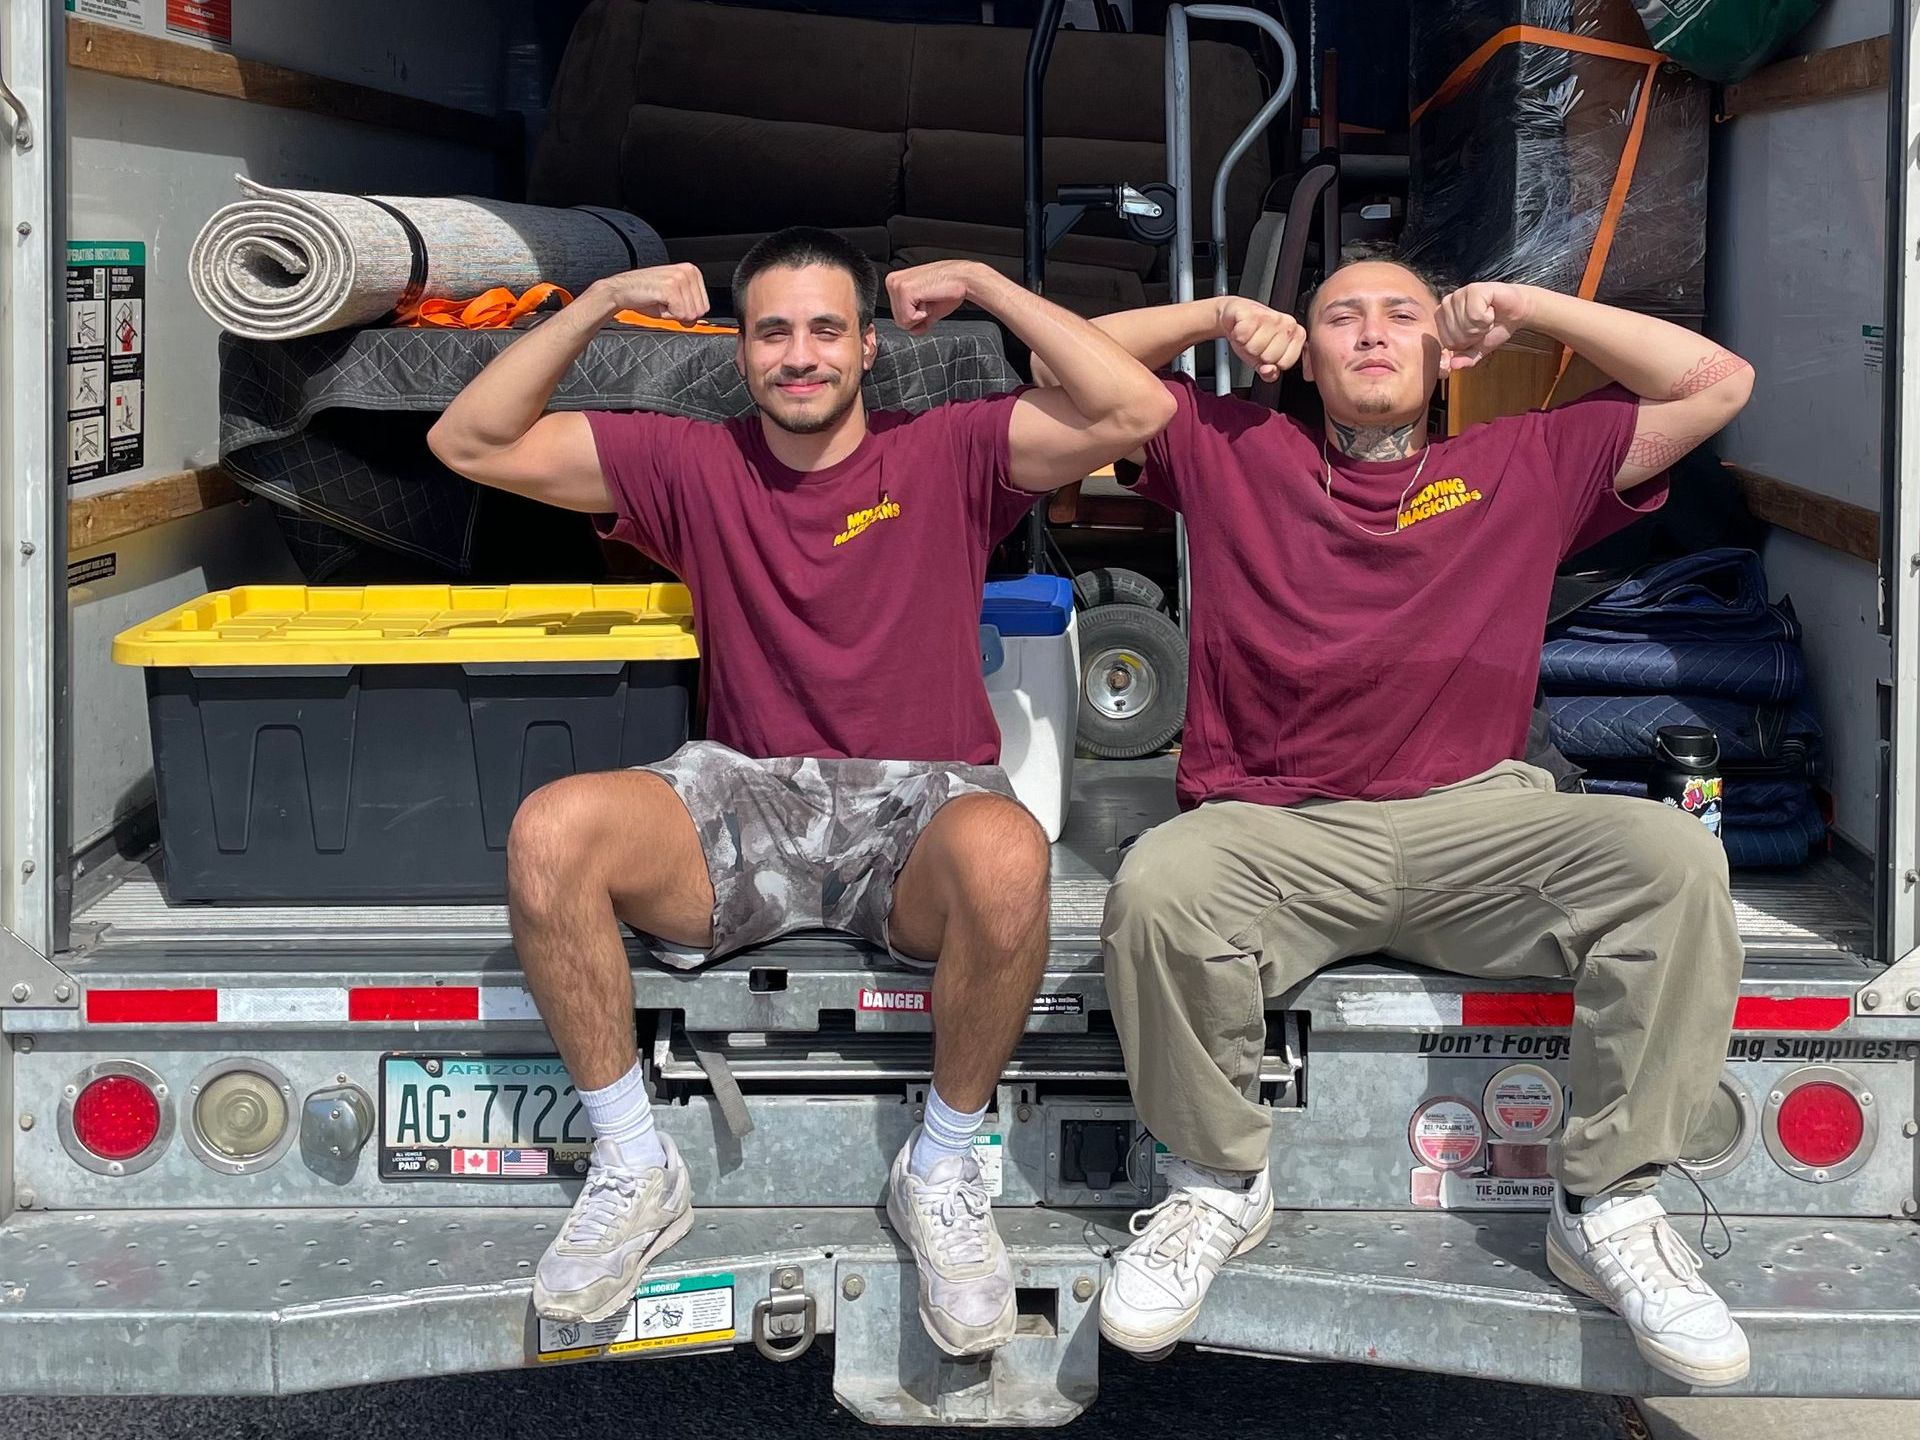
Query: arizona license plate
[[480, 1117]]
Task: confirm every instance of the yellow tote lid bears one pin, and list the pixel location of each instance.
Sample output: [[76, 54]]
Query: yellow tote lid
[[416, 625]]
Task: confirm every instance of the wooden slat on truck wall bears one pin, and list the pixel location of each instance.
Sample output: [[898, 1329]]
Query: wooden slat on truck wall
[[1826, 74], [109, 50], [1837, 524], [1516, 378], [95, 519]]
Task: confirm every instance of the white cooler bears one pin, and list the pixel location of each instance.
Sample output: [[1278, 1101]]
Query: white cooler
[[1030, 654]]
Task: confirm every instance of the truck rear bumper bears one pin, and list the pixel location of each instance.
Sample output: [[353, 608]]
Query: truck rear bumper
[[264, 1302]]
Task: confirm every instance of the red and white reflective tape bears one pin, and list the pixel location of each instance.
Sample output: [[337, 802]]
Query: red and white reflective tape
[[1551, 1010], [309, 1005]]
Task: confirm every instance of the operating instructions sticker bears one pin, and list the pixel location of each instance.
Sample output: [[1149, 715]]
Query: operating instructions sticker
[[988, 1151], [106, 324], [131, 13], [677, 1314]]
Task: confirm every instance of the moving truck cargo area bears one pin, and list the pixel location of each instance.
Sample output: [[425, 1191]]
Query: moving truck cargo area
[[995, 689]]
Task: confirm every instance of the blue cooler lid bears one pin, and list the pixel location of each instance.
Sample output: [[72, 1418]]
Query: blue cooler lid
[[1031, 605]]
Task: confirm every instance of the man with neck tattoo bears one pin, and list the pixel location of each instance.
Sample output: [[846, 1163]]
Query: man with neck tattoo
[[1368, 605]]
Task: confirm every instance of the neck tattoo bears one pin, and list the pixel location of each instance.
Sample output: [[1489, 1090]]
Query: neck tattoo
[[1375, 442]]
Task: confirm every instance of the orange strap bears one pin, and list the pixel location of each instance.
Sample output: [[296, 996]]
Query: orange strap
[[1464, 72], [495, 309], [1603, 234], [499, 308], [699, 327]]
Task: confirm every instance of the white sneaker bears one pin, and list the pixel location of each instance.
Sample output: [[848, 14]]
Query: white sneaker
[[1623, 1253], [622, 1220], [1160, 1280], [966, 1280]]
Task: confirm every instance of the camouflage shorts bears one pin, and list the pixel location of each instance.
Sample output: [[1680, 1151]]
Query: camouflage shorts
[[800, 844]]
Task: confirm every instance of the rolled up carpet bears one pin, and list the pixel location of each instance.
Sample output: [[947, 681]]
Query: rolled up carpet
[[284, 263]]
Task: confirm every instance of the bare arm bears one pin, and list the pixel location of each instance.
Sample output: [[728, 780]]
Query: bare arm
[[1267, 339], [1106, 403], [497, 431], [1689, 388]]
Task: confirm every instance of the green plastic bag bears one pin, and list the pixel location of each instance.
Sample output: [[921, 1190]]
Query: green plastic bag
[[1724, 40]]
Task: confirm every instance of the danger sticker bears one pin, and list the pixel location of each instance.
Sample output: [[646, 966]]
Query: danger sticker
[[1523, 1102], [1446, 1133], [663, 1315], [916, 1002]]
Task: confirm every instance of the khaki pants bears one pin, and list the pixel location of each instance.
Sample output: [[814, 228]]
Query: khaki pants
[[1217, 912]]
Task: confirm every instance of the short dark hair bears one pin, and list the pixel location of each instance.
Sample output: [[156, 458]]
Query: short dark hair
[[1376, 252], [800, 245]]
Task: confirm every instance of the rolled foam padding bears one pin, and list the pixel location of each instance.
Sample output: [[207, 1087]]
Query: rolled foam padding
[[284, 263]]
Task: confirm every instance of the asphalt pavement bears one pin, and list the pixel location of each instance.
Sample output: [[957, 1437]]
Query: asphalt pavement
[[739, 1394]]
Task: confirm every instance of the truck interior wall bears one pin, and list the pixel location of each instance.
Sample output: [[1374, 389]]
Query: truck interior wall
[[1840, 22], [148, 163], [1796, 283]]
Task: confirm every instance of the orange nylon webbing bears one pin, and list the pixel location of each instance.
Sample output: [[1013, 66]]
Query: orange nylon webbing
[[498, 308], [1602, 246]]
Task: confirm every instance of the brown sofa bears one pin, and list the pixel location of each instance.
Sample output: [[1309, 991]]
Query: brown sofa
[[718, 124]]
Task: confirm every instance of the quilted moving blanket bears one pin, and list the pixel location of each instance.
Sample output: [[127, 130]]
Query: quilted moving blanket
[[1715, 595], [302, 422]]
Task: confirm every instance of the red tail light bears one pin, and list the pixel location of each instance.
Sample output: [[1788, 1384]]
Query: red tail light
[[1820, 1123], [116, 1117]]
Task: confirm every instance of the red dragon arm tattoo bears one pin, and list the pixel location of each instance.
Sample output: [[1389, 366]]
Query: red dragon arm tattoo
[[1708, 373]]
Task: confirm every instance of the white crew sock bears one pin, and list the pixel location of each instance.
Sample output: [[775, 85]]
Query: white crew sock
[[622, 1116], [945, 1132]]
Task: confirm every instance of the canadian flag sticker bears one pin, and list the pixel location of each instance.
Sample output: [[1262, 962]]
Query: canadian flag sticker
[[476, 1162]]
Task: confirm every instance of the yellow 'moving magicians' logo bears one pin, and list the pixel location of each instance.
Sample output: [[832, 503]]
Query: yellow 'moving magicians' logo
[[1436, 499], [860, 521]]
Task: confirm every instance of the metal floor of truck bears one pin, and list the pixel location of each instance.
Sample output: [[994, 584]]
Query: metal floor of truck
[[1820, 914]]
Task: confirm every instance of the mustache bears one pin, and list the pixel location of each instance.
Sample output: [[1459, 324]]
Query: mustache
[[815, 376]]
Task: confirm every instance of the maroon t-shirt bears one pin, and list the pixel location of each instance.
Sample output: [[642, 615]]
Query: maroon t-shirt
[[1328, 662], [838, 610]]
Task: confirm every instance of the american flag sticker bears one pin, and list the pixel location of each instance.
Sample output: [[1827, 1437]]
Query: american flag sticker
[[476, 1162], [523, 1162]]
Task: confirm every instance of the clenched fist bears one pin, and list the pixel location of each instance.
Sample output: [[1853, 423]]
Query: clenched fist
[[1476, 320], [924, 295], [663, 292], [1263, 338]]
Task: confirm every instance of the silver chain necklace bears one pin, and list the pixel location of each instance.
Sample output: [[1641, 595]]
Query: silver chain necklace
[[1326, 466]]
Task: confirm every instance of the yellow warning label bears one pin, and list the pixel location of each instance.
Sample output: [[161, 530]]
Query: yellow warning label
[[670, 1342], [671, 1314], [584, 1353]]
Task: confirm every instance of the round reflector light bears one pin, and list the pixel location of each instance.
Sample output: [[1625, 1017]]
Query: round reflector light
[[116, 1117], [1821, 1124], [241, 1114], [1724, 1135], [241, 1119]]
